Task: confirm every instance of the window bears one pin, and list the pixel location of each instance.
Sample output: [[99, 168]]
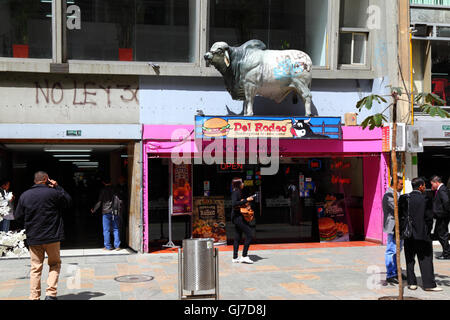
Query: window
[[25, 29], [135, 30], [352, 48], [440, 69], [354, 34], [280, 24]]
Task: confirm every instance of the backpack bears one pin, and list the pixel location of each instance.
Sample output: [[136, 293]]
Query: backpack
[[116, 205]]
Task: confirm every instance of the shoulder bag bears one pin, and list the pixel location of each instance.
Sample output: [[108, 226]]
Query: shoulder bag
[[407, 230], [247, 212]]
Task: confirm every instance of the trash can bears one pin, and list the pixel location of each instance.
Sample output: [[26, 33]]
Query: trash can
[[198, 267]]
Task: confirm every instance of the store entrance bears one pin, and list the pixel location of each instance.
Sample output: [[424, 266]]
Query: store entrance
[[289, 205], [79, 169], [434, 161], [291, 202]]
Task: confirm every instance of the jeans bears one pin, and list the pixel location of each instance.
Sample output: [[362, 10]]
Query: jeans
[[391, 256], [111, 221], [4, 225]]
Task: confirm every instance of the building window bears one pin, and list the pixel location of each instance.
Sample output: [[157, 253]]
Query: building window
[[135, 30], [280, 24], [25, 29], [352, 48], [353, 33], [440, 69]]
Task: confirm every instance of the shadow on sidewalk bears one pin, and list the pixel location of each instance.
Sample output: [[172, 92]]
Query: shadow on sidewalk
[[256, 258], [87, 295]]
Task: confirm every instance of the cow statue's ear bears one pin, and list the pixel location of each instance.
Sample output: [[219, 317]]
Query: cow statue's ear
[[226, 58]]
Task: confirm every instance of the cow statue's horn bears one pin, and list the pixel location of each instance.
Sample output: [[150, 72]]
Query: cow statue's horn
[[226, 59], [307, 121]]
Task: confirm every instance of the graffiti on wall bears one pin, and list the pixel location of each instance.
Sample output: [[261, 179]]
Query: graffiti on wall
[[83, 93]]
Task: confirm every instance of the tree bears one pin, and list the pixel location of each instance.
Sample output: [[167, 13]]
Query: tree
[[429, 103]]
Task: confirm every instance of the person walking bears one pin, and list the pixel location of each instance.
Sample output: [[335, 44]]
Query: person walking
[[41, 208], [110, 218], [7, 203], [415, 207], [390, 256], [240, 224], [294, 208], [441, 212]]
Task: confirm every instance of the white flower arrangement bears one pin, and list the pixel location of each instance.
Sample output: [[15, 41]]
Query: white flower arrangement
[[12, 243], [5, 207]]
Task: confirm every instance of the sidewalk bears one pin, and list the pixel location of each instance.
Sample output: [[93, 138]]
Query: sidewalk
[[353, 271]]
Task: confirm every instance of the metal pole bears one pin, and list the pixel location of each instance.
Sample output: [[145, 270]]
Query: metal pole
[[180, 274], [217, 272], [170, 244]]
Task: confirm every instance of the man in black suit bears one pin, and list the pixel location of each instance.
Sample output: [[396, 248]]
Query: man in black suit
[[416, 206], [441, 212]]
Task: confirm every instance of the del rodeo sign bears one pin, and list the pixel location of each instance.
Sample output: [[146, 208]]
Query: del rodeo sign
[[268, 127]]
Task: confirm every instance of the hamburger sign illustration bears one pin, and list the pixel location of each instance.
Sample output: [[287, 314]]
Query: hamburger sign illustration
[[268, 127]]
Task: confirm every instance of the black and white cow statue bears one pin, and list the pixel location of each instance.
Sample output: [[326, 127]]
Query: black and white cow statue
[[302, 129], [251, 70]]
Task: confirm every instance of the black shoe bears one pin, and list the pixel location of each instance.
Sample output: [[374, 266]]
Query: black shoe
[[443, 257], [50, 298], [393, 280]]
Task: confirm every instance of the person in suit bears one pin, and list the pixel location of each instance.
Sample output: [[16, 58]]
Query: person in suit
[[389, 228], [441, 212], [416, 206]]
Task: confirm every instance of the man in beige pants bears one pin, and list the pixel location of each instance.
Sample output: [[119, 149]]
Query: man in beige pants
[[41, 206]]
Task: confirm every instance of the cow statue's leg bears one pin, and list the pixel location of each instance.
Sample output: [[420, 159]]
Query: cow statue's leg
[[304, 91], [250, 93]]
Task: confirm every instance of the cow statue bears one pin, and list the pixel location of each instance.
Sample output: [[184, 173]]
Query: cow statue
[[251, 70]]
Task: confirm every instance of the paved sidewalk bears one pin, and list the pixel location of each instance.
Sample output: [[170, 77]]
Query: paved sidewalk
[[354, 271]]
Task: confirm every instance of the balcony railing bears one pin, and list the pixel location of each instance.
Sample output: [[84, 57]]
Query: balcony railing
[[431, 2]]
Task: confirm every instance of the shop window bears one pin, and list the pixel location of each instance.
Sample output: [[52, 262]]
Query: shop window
[[353, 33], [134, 30], [25, 29], [280, 24]]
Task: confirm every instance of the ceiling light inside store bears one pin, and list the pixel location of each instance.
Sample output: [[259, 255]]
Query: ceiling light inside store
[[67, 150], [87, 163], [74, 160], [71, 155]]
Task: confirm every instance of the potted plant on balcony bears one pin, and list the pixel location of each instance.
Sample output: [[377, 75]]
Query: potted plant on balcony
[[125, 30], [20, 16]]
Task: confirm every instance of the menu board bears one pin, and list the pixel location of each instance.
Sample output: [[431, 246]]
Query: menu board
[[209, 219], [333, 225], [182, 189]]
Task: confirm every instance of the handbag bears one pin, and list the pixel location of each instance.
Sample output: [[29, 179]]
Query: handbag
[[247, 212], [407, 230]]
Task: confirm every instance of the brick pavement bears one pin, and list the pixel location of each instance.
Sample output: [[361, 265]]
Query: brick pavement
[[352, 271]]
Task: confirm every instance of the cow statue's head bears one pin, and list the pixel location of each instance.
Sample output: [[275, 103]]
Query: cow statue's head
[[218, 56]]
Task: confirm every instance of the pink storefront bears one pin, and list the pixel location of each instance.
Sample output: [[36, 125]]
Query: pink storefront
[[345, 178]]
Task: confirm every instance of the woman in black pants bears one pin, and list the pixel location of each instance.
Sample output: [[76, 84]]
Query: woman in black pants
[[240, 225]]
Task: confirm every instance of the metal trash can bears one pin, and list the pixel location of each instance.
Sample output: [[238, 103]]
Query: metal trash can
[[198, 268]]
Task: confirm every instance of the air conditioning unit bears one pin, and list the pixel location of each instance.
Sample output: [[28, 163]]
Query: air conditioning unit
[[414, 139], [401, 136]]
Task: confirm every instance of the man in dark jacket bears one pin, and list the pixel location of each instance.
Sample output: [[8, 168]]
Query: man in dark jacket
[[41, 207], [416, 206], [441, 211]]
